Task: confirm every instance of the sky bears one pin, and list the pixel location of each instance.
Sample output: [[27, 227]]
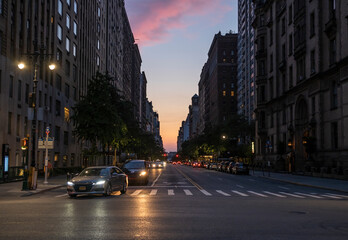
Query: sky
[[174, 37]]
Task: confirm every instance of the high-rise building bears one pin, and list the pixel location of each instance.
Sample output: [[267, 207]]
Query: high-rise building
[[218, 83], [302, 61], [246, 67]]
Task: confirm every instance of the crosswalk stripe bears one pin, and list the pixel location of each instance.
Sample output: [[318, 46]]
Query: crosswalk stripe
[[337, 195], [292, 195], [330, 196], [274, 194], [153, 192], [188, 192], [223, 193], [308, 195], [136, 192], [239, 186], [284, 187], [62, 195], [258, 194], [205, 192], [171, 192], [241, 194]]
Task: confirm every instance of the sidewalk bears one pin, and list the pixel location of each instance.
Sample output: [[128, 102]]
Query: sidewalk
[[323, 183], [15, 188]]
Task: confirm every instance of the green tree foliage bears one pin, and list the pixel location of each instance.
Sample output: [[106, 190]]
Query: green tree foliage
[[104, 117]]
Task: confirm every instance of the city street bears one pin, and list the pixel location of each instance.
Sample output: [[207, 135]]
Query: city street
[[181, 202]]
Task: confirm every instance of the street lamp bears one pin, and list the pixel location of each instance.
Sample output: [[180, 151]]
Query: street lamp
[[36, 55]]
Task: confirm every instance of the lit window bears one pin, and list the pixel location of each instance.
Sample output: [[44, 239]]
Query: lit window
[[67, 44], [98, 44], [98, 61], [68, 21], [223, 93], [66, 114], [60, 7], [232, 93], [98, 11], [59, 32], [75, 28]]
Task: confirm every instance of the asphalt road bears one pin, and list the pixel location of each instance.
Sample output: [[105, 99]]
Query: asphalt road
[[182, 202]]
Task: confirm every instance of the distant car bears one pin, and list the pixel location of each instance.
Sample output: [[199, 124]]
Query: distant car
[[230, 166], [213, 166], [240, 168], [98, 180], [137, 171], [157, 164]]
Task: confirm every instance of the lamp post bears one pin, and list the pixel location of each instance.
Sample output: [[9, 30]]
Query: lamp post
[[38, 53]]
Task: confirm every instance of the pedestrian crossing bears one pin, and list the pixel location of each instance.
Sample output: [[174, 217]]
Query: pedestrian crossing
[[234, 193]]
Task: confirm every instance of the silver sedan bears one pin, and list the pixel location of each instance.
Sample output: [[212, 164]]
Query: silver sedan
[[98, 180]]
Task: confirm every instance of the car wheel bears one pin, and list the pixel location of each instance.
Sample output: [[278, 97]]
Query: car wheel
[[108, 190], [124, 188], [72, 195]]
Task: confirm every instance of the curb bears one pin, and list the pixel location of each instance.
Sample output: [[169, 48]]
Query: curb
[[303, 184], [42, 191]]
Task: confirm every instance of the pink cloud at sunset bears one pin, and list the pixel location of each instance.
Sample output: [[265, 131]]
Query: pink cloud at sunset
[[152, 20]]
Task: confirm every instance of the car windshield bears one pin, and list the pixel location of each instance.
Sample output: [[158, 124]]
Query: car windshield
[[134, 165], [94, 172]]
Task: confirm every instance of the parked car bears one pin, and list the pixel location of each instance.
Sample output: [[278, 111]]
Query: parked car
[[230, 166], [137, 171], [196, 164], [98, 180], [224, 166], [240, 168], [213, 166]]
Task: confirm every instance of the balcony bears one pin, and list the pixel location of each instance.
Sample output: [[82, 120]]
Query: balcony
[[331, 26]]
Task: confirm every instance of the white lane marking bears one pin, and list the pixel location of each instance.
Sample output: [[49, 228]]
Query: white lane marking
[[274, 194], [292, 195], [171, 192], [223, 193], [136, 192], [154, 182], [307, 195], [330, 196], [284, 187], [241, 194], [153, 192], [258, 194], [239, 186], [205, 192], [188, 192], [62, 195], [337, 195]]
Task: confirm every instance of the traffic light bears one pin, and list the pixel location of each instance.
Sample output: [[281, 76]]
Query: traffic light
[[177, 155], [24, 143]]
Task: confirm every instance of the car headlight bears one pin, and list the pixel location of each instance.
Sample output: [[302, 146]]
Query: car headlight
[[70, 183], [143, 173], [100, 182], [153, 165]]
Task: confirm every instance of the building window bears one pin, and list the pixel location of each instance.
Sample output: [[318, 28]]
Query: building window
[[312, 61], [283, 26], [312, 24], [98, 11], [74, 49], [68, 21], [271, 88], [68, 2], [60, 7], [334, 135], [57, 135], [290, 14], [270, 36], [301, 69], [232, 93], [11, 87], [74, 73], [290, 76], [59, 82], [332, 8], [19, 90], [283, 52], [271, 63], [98, 61], [26, 93], [57, 108], [313, 106], [67, 68], [74, 93], [332, 51], [66, 138], [67, 90], [66, 114], [290, 44], [18, 130], [9, 123], [334, 96], [75, 7], [59, 57], [224, 93], [59, 32], [67, 44], [98, 44], [75, 28]]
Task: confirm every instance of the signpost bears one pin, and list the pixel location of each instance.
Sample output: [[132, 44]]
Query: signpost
[[46, 144]]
